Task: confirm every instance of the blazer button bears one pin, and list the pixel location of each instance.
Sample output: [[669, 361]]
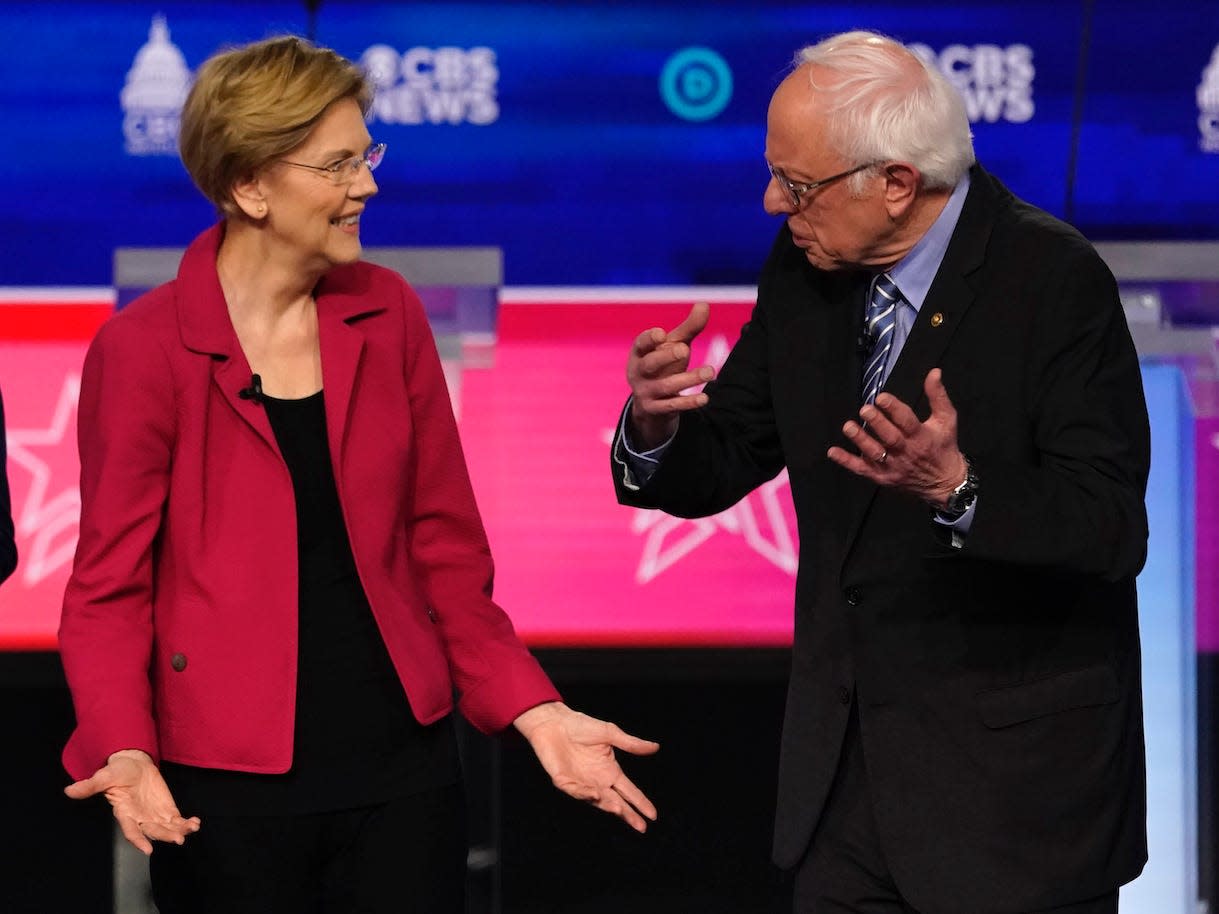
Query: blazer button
[[178, 662], [853, 596], [844, 695], [431, 614]]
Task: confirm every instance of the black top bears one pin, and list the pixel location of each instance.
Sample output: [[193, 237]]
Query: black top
[[356, 740]]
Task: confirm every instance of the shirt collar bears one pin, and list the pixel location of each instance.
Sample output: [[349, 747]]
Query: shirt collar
[[914, 273]]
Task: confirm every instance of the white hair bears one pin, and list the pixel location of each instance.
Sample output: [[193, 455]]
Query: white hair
[[884, 103]]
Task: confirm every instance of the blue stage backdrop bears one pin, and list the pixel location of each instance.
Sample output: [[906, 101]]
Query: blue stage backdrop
[[597, 143]]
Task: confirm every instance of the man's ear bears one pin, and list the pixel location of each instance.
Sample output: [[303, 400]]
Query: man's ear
[[902, 182]]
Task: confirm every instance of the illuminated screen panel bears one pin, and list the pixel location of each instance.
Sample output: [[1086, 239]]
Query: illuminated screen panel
[[1149, 138], [43, 337], [594, 143], [573, 566]]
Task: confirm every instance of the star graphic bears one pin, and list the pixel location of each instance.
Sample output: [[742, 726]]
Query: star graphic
[[49, 525], [668, 540]]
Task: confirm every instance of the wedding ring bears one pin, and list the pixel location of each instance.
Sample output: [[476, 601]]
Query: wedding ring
[[884, 455]]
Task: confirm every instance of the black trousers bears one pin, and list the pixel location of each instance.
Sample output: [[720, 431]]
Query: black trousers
[[407, 856], [844, 870]]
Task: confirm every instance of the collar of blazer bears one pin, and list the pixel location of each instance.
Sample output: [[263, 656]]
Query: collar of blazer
[[203, 319], [343, 296]]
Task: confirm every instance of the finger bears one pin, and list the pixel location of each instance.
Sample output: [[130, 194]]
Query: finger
[[664, 361], [647, 341], [853, 463], [869, 446], [171, 832], [693, 325], [135, 837], [659, 406], [877, 424], [937, 394], [677, 385], [900, 415], [101, 781], [633, 795], [614, 804], [620, 739]]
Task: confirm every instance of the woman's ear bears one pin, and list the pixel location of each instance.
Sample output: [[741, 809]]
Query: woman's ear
[[249, 196]]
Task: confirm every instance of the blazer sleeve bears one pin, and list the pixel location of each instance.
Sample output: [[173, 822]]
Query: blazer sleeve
[[496, 677], [8, 537], [1078, 504], [125, 431]]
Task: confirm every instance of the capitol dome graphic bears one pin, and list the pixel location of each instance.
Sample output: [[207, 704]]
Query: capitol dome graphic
[[154, 93]]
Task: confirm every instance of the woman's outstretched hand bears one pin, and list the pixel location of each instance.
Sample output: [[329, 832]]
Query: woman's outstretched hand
[[140, 799], [577, 752]]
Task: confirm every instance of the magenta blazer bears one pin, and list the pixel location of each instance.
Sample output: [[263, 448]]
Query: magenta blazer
[[179, 626]]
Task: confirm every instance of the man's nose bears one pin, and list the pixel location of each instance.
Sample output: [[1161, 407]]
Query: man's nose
[[775, 200]]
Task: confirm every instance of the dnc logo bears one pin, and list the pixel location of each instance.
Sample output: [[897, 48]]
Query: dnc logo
[[696, 84]]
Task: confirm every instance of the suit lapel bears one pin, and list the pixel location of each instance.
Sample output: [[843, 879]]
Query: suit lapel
[[947, 301], [951, 295]]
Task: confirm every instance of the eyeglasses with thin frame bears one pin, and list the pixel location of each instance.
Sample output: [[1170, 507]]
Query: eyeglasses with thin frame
[[345, 172], [796, 190]]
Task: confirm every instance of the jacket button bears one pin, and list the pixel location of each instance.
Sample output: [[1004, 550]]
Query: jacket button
[[431, 614], [844, 695], [853, 596], [178, 662]]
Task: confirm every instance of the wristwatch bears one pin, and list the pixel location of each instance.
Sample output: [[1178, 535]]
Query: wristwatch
[[963, 495]]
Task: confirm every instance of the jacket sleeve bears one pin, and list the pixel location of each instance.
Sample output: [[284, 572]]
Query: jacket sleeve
[[125, 434], [496, 677]]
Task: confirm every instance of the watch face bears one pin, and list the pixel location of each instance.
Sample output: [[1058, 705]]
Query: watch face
[[964, 495], [959, 502]]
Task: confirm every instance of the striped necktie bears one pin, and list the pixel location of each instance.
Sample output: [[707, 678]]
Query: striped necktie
[[878, 329]]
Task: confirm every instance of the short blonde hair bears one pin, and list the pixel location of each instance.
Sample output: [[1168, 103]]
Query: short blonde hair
[[251, 104]]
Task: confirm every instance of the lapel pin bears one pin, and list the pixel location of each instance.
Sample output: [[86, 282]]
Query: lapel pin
[[937, 319]]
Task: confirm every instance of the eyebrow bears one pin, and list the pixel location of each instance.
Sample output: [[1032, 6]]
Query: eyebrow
[[346, 153]]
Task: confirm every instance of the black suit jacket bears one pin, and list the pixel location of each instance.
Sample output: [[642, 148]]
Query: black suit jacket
[[997, 686], [8, 544]]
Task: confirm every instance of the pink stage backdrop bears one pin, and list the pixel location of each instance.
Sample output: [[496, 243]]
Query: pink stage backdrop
[[43, 338], [573, 567]]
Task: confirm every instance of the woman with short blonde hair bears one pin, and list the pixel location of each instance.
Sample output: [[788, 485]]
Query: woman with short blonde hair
[[282, 578]]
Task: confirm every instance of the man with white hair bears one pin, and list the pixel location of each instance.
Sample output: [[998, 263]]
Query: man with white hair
[[946, 373]]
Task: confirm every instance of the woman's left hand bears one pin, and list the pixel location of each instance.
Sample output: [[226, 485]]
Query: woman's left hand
[[577, 752]]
